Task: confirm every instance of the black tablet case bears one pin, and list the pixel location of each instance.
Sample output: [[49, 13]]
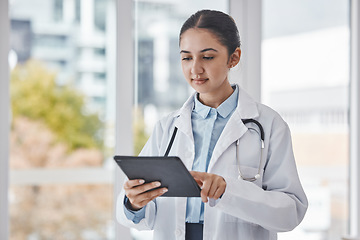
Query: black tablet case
[[170, 171]]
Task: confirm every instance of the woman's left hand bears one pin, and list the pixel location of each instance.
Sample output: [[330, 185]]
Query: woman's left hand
[[212, 185]]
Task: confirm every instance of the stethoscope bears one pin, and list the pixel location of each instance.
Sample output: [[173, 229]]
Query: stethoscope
[[262, 137]]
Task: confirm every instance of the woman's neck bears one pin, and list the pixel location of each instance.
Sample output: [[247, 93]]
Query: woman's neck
[[215, 99]]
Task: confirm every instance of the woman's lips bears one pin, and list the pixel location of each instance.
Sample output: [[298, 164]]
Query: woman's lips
[[199, 80]]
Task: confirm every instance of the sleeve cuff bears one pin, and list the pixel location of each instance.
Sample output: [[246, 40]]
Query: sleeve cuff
[[135, 216]]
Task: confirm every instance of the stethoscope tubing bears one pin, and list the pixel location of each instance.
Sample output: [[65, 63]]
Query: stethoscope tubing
[[262, 137], [245, 121]]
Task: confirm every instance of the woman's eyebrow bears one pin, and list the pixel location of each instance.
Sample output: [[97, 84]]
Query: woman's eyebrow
[[204, 50], [208, 49]]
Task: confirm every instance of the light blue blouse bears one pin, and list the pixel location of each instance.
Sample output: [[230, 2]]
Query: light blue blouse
[[207, 125]]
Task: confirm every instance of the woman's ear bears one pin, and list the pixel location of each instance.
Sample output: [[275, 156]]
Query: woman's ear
[[234, 58]]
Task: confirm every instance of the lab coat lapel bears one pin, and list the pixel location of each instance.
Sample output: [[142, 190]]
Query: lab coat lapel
[[183, 121], [235, 128]]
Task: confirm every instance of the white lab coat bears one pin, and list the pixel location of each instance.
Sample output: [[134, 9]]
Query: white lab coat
[[256, 210]]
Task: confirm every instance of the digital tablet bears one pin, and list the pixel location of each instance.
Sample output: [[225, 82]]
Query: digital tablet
[[170, 171]]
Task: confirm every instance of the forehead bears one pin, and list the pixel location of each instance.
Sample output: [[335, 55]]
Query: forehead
[[195, 40]]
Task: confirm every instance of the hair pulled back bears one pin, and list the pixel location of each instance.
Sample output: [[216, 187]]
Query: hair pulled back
[[219, 23]]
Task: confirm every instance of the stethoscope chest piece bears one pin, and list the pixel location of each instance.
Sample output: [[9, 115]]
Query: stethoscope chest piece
[[256, 177]]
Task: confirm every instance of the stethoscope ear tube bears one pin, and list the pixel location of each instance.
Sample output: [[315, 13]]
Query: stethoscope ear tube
[[262, 134]]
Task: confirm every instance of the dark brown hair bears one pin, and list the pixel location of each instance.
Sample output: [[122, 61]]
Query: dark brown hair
[[219, 23]]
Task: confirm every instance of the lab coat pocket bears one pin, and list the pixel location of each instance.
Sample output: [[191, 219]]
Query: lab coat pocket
[[228, 218], [231, 219]]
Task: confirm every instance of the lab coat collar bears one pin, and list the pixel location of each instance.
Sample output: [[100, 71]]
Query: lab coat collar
[[247, 107], [183, 117], [233, 130]]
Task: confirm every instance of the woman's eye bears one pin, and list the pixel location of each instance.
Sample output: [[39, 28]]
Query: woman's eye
[[208, 58], [186, 58]]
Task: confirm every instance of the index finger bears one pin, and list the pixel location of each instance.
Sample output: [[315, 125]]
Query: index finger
[[133, 183], [198, 175]]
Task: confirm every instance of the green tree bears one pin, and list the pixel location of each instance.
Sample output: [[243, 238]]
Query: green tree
[[140, 135], [35, 95]]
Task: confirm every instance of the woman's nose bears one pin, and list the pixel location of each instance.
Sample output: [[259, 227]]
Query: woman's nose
[[196, 67]]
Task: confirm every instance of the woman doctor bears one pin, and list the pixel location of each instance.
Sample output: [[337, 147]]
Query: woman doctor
[[249, 191]]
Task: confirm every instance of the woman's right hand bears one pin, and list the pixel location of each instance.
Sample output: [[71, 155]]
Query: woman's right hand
[[138, 193]]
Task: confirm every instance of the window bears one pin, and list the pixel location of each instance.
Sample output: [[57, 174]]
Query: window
[[305, 77], [100, 14], [100, 52], [61, 143], [58, 10], [77, 10]]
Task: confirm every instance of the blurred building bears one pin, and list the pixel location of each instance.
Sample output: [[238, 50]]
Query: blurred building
[[158, 55], [73, 38], [21, 36], [69, 36], [314, 109]]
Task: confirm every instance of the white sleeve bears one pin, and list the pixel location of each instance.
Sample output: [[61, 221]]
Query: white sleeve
[[151, 148], [281, 204]]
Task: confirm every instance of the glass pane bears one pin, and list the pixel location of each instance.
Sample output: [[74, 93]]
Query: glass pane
[[305, 77], [62, 104], [64, 211], [159, 83]]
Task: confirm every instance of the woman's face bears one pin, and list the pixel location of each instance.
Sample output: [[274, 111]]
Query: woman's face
[[205, 62]]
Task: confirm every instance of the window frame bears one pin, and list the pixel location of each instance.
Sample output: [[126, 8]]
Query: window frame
[[5, 118], [354, 168], [247, 15], [124, 97]]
